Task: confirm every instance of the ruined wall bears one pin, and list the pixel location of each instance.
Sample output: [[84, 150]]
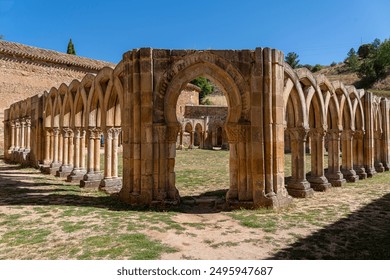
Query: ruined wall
[[26, 71]]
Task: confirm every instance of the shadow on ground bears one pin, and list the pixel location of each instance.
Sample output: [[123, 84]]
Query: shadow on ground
[[364, 234], [20, 186]]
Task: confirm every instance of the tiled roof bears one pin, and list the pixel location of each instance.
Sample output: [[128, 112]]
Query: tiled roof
[[16, 49]]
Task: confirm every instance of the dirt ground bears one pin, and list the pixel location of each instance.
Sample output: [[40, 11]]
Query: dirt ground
[[351, 222]]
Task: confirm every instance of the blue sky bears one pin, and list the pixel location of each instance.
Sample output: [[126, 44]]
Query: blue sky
[[319, 31]]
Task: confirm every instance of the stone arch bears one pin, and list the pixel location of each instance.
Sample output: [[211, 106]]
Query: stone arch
[[212, 67], [113, 102], [198, 134], [294, 99], [81, 100], [96, 99]]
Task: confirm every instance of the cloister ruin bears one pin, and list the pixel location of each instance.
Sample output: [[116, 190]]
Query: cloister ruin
[[269, 103]]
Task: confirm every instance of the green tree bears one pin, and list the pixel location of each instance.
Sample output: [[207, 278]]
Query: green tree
[[1, 37], [292, 59], [205, 86], [352, 60], [316, 68], [71, 49]]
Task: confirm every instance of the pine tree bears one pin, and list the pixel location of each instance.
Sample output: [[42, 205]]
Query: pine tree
[[292, 59], [71, 49]]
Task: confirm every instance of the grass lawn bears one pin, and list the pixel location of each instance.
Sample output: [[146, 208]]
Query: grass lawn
[[43, 217]]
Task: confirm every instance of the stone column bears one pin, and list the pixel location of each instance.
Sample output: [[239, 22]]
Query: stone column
[[22, 132], [180, 140], [107, 153], [78, 171], [192, 139], [90, 154], [201, 140], [28, 134], [115, 145], [358, 160], [334, 174], [378, 150], [93, 177], [55, 165], [60, 147], [317, 179], [12, 147], [67, 153], [82, 150], [111, 182], [347, 156], [48, 143], [17, 135], [369, 135], [298, 186]]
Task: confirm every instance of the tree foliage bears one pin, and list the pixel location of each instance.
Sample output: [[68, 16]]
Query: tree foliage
[[375, 61], [205, 86], [292, 59], [352, 60], [1, 37], [71, 49]]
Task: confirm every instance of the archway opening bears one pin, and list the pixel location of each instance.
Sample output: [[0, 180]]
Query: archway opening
[[201, 166]]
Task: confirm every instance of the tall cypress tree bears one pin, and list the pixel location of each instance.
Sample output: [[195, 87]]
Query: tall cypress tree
[[71, 49]]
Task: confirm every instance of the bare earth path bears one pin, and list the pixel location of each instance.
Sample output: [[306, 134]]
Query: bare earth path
[[41, 217]]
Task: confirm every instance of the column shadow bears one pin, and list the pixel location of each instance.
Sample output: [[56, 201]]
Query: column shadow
[[364, 234]]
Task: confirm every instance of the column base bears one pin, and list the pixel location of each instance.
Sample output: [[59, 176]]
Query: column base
[[54, 167], [64, 171], [272, 201], [111, 185], [350, 175], [361, 172], [45, 169], [336, 179], [91, 181], [319, 184], [76, 175], [299, 189], [180, 147], [379, 167], [370, 172], [386, 166]]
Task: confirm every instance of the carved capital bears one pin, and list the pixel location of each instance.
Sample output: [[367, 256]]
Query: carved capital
[[172, 131], [28, 122], [317, 133], [334, 134], [347, 134], [359, 134], [298, 133], [378, 134], [56, 131], [160, 131], [95, 133], [67, 132]]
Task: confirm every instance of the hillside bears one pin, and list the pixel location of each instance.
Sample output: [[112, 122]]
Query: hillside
[[340, 72]]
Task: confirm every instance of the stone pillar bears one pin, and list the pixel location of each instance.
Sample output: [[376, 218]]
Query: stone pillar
[[317, 179], [22, 132], [385, 108], [17, 135], [192, 139], [180, 140], [12, 147], [78, 171], [55, 165], [28, 134], [60, 147], [369, 135], [358, 160], [93, 177], [107, 153], [378, 152], [347, 156], [334, 174], [48, 143], [111, 183], [67, 153], [298, 186]]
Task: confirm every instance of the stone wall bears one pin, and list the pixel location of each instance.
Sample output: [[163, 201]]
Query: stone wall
[[27, 71]]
